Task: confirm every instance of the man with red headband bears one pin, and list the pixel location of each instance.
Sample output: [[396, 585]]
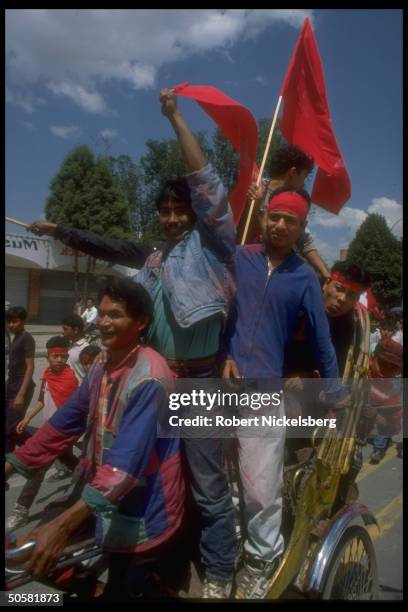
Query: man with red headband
[[341, 292], [58, 384], [274, 286], [289, 167]]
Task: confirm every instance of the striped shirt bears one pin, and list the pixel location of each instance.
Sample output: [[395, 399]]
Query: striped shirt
[[134, 479]]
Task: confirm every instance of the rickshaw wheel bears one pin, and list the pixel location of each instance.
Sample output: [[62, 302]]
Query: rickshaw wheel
[[353, 573]]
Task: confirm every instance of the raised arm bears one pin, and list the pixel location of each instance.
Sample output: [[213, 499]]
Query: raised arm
[[190, 149], [208, 195]]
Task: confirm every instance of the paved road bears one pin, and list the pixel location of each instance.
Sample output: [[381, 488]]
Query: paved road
[[380, 488]]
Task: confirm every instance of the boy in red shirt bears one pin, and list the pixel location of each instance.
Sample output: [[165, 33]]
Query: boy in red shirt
[[58, 384]]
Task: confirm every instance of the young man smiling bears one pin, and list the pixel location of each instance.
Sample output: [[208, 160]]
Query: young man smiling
[[134, 480], [273, 286], [191, 284]]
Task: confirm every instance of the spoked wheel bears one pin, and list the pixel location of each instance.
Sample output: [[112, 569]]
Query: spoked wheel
[[353, 573]]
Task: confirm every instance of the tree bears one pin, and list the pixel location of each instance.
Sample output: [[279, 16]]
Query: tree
[[128, 176], [225, 159], [68, 188], [108, 208], [85, 194], [380, 253], [264, 126]]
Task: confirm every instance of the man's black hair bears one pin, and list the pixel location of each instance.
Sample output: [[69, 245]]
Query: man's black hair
[[137, 300], [175, 188], [90, 298], [387, 324], [16, 312], [58, 342], [92, 350], [286, 157], [352, 272], [74, 320], [301, 192]]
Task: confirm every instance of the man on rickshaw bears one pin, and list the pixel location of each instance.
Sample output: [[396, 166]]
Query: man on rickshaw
[[133, 479], [273, 286]]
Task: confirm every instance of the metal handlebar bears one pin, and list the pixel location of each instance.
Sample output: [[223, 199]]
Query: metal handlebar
[[73, 554], [14, 552]]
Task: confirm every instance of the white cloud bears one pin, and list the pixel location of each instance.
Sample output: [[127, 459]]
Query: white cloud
[[326, 250], [391, 210], [109, 133], [89, 101], [75, 51], [348, 218], [70, 132], [26, 101], [342, 228]]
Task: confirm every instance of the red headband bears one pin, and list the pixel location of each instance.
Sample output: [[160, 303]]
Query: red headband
[[291, 202], [57, 350], [336, 276]]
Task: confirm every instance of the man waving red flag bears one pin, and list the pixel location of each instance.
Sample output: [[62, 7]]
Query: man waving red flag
[[306, 122], [238, 125]]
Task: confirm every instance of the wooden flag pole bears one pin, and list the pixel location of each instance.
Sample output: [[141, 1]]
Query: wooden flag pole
[[261, 169], [11, 220]]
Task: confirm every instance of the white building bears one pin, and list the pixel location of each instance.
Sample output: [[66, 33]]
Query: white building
[[40, 276]]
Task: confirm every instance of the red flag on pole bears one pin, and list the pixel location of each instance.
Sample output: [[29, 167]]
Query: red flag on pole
[[238, 125], [306, 122]]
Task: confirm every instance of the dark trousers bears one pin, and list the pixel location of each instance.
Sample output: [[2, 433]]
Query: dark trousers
[[13, 417], [211, 493], [33, 484], [131, 574]]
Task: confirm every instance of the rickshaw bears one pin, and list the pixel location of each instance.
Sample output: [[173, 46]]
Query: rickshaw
[[328, 550]]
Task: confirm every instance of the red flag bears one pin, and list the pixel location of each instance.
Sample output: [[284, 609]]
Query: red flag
[[368, 301], [238, 125], [306, 122]]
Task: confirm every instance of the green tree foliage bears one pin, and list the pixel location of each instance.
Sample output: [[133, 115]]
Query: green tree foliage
[[264, 126], [225, 159], [127, 174], [377, 249], [85, 194], [68, 189], [108, 206]]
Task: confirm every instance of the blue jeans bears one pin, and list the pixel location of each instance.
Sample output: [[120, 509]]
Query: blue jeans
[[381, 442], [211, 493]]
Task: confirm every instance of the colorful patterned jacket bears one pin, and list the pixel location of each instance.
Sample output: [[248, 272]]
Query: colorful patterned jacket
[[134, 479]]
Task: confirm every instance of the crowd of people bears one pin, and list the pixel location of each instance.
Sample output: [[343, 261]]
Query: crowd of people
[[200, 307]]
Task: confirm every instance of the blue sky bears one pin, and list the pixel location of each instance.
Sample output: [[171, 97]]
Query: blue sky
[[93, 77]]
